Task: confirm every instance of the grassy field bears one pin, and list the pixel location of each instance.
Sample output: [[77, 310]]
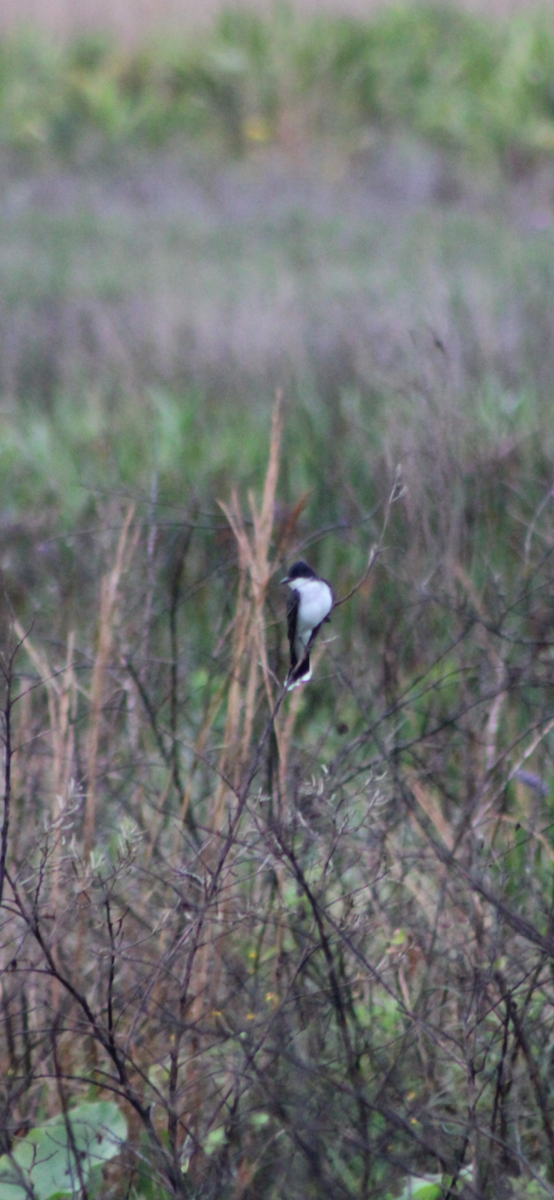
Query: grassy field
[[258, 943]]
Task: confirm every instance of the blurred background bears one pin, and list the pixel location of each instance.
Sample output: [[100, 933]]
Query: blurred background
[[331, 200], [134, 19]]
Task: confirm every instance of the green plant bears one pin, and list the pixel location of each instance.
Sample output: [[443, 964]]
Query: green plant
[[59, 1156]]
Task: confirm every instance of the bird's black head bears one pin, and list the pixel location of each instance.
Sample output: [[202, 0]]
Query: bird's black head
[[299, 570]]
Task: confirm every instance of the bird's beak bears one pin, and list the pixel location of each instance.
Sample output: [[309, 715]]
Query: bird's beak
[[285, 580]]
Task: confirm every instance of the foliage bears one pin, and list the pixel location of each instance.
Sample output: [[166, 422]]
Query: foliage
[[454, 78], [57, 1158]]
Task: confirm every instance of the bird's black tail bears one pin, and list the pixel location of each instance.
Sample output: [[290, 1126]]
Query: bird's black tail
[[301, 672]]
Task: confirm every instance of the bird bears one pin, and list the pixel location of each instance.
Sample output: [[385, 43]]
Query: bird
[[309, 604]]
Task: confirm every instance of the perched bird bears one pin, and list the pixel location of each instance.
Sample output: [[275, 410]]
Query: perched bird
[[308, 606]]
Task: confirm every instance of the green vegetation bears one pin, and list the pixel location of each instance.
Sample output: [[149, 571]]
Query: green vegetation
[[256, 944], [459, 80], [59, 1157]]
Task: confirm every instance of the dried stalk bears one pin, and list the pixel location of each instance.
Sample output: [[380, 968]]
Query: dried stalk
[[109, 605]]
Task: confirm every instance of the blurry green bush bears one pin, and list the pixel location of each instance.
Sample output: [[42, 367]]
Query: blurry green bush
[[455, 78]]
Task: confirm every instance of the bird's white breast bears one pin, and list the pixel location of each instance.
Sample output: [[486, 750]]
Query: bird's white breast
[[316, 602]]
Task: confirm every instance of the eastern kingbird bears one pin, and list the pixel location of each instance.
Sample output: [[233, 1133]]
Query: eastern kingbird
[[308, 606]]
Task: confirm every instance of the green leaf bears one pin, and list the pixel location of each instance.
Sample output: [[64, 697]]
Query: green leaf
[[215, 1140], [260, 1119], [422, 1189], [46, 1162]]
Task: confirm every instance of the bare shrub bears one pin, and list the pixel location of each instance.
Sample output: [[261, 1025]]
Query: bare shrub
[[304, 940]]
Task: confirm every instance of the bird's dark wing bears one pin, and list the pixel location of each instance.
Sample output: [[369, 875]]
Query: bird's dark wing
[[292, 609], [315, 632]]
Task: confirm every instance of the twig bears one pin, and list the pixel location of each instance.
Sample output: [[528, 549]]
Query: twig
[[398, 490], [8, 673]]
